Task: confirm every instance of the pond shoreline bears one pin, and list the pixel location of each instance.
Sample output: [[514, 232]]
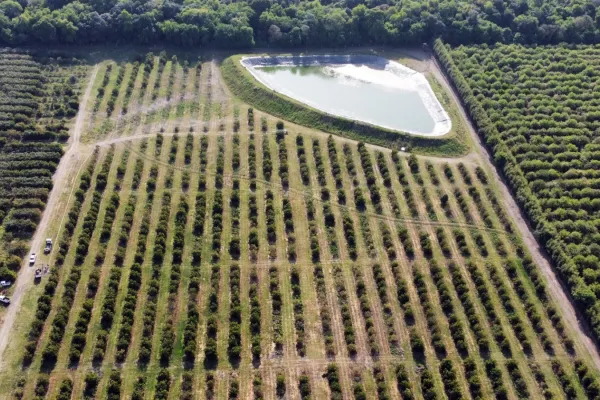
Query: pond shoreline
[[366, 69]]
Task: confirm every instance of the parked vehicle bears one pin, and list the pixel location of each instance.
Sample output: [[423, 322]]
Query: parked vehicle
[[4, 300], [48, 247], [38, 273], [4, 284], [32, 258]]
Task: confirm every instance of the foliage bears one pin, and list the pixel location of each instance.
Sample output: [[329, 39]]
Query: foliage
[[549, 142], [235, 316], [242, 24], [30, 124]]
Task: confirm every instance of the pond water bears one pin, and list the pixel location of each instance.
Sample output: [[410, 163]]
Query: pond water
[[364, 88]]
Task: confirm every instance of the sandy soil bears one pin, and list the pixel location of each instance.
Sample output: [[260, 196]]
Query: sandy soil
[[557, 290], [71, 159]]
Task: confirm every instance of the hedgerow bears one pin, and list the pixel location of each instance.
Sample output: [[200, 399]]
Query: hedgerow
[[382, 389], [139, 388], [110, 104], [102, 89], [65, 389], [257, 387], [113, 387], [365, 308], [298, 311], [90, 385], [235, 316], [304, 386], [134, 283], [255, 317], [437, 340], [234, 211], [163, 384], [450, 380], [271, 224], [276, 307], [41, 386], [427, 386], [358, 388], [158, 253], [348, 226], [187, 386], [403, 383], [369, 172], [267, 164], [212, 322], [402, 293], [330, 225], [280, 388], [462, 291], [333, 378], [234, 388], [344, 305], [315, 248], [367, 236], [168, 332], [217, 224], [210, 385], [252, 161], [301, 153], [283, 159], [250, 119], [324, 311], [445, 300]]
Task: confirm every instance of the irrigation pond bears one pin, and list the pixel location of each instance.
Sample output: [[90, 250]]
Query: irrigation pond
[[360, 87]]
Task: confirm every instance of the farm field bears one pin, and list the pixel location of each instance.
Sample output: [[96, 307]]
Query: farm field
[[212, 251], [39, 94], [537, 110]]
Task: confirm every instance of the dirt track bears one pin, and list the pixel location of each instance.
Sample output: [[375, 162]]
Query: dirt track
[[557, 290], [72, 159]]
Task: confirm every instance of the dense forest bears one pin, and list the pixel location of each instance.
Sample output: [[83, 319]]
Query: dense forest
[[244, 24]]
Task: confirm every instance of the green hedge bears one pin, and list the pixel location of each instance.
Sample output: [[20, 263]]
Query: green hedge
[[546, 232], [242, 84]]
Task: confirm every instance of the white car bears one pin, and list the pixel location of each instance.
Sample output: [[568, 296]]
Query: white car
[[32, 258], [4, 299], [5, 284]]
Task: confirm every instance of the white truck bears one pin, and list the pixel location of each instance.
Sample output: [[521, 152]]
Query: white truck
[[4, 284], [32, 259], [4, 300]]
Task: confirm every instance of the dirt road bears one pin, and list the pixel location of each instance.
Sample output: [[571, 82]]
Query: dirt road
[[556, 288], [71, 160]]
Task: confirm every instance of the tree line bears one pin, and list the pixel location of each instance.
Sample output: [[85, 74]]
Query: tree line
[[244, 24]]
